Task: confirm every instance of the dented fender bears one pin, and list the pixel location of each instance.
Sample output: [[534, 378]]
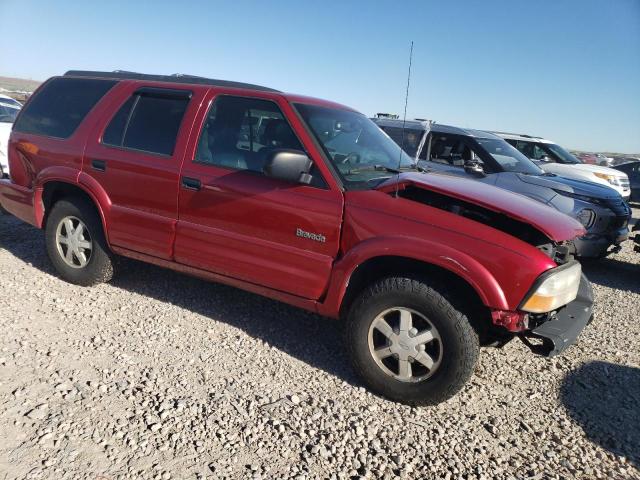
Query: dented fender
[[438, 254]]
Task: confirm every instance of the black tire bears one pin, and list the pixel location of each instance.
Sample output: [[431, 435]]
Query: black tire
[[99, 267], [459, 341]]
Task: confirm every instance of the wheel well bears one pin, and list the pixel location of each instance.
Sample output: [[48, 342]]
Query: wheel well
[[458, 292], [54, 191]]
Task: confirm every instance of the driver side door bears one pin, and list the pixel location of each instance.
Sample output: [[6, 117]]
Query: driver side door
[[236, 221]]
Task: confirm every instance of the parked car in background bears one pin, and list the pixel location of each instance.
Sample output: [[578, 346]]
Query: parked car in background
[[603, 160], [588, 158], [632, 170], [8, 114], [490, 159], [318, 209], [552, 158], [7, 100], [617, 160]]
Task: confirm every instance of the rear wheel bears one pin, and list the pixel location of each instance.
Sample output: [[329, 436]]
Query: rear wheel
[[408, 343], [76, 244]]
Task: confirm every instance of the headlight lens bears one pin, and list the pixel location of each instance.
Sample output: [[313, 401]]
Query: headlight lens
[[557, 288], [609, 178], [586, 217]]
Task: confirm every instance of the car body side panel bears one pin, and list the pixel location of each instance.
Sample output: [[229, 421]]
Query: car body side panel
[[142, 187], [245, 225]]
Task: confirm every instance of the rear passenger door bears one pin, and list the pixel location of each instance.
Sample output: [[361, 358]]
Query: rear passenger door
[[236, 221], [135, 155]]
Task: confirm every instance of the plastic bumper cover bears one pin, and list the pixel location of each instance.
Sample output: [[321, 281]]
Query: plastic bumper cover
[[563, 329], [19, 201]]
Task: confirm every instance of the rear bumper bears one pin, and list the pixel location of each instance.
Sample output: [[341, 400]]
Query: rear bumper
[[19, 201], [562, 331]]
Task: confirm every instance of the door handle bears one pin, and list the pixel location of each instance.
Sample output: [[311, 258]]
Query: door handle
[[191, 183], [99, 165]]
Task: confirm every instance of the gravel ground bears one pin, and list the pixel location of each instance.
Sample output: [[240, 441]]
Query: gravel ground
[[158, 375]]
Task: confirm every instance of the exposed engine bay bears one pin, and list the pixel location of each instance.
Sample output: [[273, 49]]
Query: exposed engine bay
[[559, 252]]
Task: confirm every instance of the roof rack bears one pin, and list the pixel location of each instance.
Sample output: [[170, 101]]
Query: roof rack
[[511, 133], [175, 78]]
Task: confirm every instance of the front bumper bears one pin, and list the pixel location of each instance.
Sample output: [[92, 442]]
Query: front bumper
[[596, 245], [555, 335]]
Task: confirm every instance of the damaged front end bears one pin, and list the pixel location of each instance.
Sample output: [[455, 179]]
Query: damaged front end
[[550, 334], [559, 304]]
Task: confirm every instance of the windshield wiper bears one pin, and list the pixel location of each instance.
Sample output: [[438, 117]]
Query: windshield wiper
[[379, 168]]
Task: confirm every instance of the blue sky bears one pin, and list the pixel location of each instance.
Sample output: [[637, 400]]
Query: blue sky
[[564, 69]]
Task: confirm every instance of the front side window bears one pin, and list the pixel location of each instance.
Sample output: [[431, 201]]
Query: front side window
[[448, 149], [363, 155], [148, 122], [240, 133]]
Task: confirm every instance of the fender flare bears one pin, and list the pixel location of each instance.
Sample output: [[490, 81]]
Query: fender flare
[[426, 251], [77, 179]]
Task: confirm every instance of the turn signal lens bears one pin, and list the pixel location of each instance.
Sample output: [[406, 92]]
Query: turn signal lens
[[556, 290], [609, 178]]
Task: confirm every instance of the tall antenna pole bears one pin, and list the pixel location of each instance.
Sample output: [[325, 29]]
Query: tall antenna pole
[[404, 118]]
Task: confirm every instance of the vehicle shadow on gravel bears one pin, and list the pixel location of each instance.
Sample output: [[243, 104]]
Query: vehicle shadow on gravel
[[602, 398], [613, 273], [310, 338]]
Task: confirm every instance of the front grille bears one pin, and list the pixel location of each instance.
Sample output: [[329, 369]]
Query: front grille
[[624, 183]]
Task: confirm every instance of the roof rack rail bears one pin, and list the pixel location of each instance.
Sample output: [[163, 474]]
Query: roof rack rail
[[175, 78], [511, 133]]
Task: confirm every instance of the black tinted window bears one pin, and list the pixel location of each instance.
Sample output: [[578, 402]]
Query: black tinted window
[[61, 105], [147, 122], [409, 139], [115, 131]]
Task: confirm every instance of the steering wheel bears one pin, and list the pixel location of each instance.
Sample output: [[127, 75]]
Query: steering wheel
[[352, 155]]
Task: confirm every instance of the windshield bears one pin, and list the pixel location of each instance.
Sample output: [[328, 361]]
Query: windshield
[[508, 157], [8, 114], [559, 152], [362, 153]]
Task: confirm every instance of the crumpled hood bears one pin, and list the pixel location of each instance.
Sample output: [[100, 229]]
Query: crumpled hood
[[570, 185], [554, 224]]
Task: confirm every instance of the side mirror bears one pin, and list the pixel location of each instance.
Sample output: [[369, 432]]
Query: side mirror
[[473, 167], [289, 165]]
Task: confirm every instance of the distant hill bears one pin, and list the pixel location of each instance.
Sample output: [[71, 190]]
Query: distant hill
[[20, 84], [18, 88]]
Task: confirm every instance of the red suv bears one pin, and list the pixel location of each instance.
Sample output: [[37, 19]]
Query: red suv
[[301, 200]]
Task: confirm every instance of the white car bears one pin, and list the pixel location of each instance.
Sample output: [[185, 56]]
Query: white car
[[552, 158], [8, 114], [7, 100]]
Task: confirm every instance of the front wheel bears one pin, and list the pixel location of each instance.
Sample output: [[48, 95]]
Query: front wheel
[[409, 343], [76, 244]]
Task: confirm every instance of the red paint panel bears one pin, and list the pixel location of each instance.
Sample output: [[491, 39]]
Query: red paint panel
[[244, 225], [142, 187]]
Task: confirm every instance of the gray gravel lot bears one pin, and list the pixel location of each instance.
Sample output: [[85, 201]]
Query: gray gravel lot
[[158, 375]]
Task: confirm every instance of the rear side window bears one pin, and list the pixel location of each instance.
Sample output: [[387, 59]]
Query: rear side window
[[61, 105], [149, 121]]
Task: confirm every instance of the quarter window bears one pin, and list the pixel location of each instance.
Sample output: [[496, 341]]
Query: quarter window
[[148, 122], [61, 105]]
